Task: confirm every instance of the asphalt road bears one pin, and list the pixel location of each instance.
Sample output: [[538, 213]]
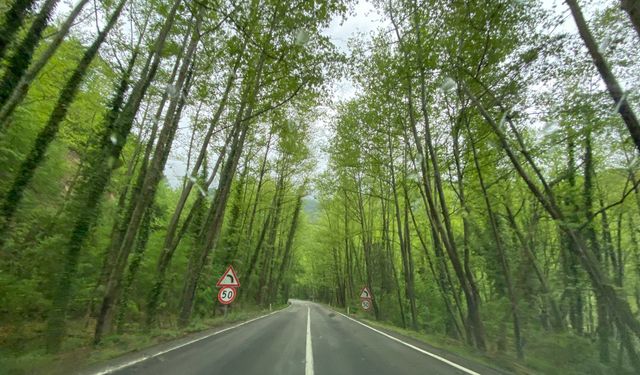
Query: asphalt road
[[305, 338]]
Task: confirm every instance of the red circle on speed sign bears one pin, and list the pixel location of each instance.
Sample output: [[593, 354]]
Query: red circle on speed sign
[[226, 295]]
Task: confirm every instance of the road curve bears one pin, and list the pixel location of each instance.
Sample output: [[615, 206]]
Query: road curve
[[303, 339]]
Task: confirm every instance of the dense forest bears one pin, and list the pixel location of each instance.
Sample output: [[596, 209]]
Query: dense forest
[[483, 180]]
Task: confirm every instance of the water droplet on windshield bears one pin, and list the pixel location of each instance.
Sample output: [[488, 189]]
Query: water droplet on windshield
[[172, 91], [604, 45], [616, 109], [291, 125], [302, 37], [448, 85], [201, 190], [413, 178]]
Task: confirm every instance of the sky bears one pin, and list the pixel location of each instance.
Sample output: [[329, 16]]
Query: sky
[[362, 21]]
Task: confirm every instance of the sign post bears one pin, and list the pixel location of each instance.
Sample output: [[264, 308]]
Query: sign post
[[365, 298], [228, 284]]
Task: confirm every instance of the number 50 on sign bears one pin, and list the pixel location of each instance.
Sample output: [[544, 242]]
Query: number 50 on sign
[[226, 295]]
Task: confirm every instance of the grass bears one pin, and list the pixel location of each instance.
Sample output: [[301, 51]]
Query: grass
[[26, 354]]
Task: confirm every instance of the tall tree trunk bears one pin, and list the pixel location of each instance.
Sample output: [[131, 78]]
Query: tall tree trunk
[[572, 274], [462, 198], [190, 149], [556, 321], [170, 241], [269, 253], [502, 256], [12, 22], [253, 260], [171, 245], [86, 206], [123, 221], [21, 57], [388, 244], [615, 91], [228, 246], [603, 329], [618, 306], [441, 281], [444, 276], [148, 189], [213, 223], [134, 265], [114, 108], [443, 225], [48, 133], [367, 247], [263, 170], [411, 294], [401, 240], [288, 249], [347, 246], [18, 93], [632, 7]]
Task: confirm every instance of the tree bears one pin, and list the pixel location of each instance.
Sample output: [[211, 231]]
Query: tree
[[13, 20], [94, 184], [48, 133]]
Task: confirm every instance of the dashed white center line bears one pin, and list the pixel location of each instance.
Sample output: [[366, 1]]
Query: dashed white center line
[[308, 369]]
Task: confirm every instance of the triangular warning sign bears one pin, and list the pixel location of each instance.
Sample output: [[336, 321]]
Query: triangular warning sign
[[365, 293], [229, 278]]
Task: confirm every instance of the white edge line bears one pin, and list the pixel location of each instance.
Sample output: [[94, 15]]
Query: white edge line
[[146, 357], [308, 368], [461, 368]]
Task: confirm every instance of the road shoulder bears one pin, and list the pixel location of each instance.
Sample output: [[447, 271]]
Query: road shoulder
[[478, 363], [137, 356]]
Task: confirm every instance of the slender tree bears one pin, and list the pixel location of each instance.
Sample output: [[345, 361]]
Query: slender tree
[[613, 87], [48, 133], [13, 21], [98, 175], [22, 54], [18, 92]]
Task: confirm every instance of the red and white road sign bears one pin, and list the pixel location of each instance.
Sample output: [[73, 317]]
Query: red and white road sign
[[366, 304], [365, 293], [229, 278], [226, 295]]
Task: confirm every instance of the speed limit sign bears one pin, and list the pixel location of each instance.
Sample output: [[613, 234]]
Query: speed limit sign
[[226, 295], [366, 304]]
